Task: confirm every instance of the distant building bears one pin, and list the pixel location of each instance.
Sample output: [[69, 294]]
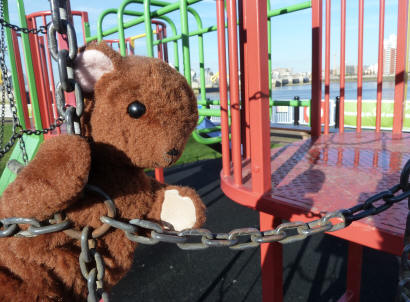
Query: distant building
[[371, 69], [389, 55], [351, 70]]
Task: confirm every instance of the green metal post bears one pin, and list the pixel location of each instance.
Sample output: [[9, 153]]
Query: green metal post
[[185, 39], [31, 142], [148, 28], [160, 12], [29, 67], [201, 54], [289, 9], [11, 51]]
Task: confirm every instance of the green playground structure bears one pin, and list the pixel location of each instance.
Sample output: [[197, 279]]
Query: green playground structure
[[31, 67]]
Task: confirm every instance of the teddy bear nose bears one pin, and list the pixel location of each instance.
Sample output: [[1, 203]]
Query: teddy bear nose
[[173, 152]]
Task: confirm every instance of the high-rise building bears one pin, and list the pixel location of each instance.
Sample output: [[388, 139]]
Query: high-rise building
[[389, 55]]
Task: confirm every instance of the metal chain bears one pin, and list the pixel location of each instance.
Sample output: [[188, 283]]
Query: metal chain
[[7, 90], [61, 24], [196, 239], [41, 30], [89, 257]]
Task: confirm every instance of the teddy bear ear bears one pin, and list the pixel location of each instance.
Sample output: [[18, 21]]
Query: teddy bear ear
[[90, 65]]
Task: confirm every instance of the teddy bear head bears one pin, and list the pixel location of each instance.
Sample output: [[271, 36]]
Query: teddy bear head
[[137, 106]]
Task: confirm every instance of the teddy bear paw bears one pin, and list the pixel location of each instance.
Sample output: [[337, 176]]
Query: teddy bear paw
[[177, 210]]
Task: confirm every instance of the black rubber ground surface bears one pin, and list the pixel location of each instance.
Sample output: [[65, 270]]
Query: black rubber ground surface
[[314, 270]]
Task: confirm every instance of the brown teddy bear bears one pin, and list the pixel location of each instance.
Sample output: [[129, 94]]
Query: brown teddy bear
[[139, 113]]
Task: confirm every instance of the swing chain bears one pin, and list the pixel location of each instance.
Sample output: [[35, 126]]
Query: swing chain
[[35, 31], [62, 24], [6, 89], [94, 276]]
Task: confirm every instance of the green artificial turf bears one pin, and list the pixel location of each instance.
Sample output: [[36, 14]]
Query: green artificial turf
[[195, 151]]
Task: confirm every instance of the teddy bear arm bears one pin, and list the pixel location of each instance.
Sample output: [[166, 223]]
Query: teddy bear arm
[[51, 181], [179, 206]]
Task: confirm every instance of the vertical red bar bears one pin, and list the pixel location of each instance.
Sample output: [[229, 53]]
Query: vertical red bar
[[159, 174], [342, 65], [327, 70], [220, 19], [360, 69], [47, 93], [164, 46], [159, 37], [51, 77], [375, 159], [245, 131], [401, 75], [356, 158], [380, 67], [339, 156], [271, 262], [354, 271], [34, 46], [234, 92], [257, 77], [20, 79], [315, 106]]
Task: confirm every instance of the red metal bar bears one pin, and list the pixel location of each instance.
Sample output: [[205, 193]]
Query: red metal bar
[[315, 107], [375, 159], [339, 156], [220, 19], [271, 262], [159, 46], [327, 70], [360, 69], [51, 77], [257, 77], [21, 79], [356, 158], [234, 91], [342, 65], [46, 82], [380, 67], [33, 40], [245, 130], [164, 45], [354, 270], [401, 75], [159, 174]]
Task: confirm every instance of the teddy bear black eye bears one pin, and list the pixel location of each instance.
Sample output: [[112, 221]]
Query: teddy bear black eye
[[136, 109]]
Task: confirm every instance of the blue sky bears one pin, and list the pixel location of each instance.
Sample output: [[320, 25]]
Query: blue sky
[[291, 34]]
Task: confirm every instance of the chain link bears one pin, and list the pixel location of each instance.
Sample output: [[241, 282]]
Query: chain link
[[61, 24], [41, 30], [7, 91], [196, 239], [89, 257]]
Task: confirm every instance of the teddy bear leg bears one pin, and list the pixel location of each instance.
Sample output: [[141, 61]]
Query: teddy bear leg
[[10, 289], [179, 206], [14, 290]]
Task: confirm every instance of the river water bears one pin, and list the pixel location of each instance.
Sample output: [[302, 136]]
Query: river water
[[369, 91]]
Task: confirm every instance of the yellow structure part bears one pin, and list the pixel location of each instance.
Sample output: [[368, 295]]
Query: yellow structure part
[[133, 38], [215, 77]]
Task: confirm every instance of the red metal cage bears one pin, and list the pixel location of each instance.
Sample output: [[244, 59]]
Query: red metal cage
[[329, 171]]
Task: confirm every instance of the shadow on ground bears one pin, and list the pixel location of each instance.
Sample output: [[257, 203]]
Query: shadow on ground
[[314, 270]]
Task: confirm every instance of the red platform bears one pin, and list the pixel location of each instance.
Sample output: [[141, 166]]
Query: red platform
[[337, 171]]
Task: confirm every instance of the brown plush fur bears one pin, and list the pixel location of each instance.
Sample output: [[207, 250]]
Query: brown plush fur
[[112, 157]]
